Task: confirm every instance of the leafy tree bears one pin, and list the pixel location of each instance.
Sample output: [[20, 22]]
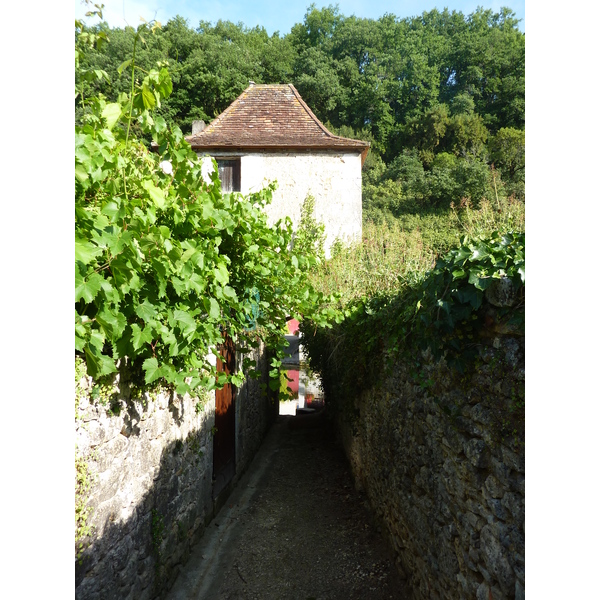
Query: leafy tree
[[318, 27], [507, 151], [310, 237], [408, 169], [452, 178], [426, 131], [317, 81], [466, 135], [441, 82]]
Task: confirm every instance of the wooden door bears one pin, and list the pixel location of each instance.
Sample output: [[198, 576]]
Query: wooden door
[[224, 437]]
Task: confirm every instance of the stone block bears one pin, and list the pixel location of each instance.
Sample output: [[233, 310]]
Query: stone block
[[474, 518], [515, 505], [91, 413], [474, 555], [470, 427], [517, 484], [475, 478], [494, 488], [96, 433], [112, 426], [496, 559], [84, 402], [484, 573], [497, 508], [83, 441], [519, 591], [477, 453], [501, 471], [513, 351], [453, 442], [482, 415], [464, 584], [90, 589], [121, 554], [519, 563], [107, 484], [111, 455], [513, 460]]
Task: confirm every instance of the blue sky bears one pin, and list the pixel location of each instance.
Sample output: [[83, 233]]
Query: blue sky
[[275, 15]]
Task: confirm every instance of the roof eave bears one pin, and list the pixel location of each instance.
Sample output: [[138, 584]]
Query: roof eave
[[360, 148]]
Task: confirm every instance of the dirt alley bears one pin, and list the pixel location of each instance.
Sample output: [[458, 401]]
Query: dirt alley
[[294, 528]]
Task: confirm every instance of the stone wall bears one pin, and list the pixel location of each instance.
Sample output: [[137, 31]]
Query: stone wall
[[441, 457], [150, 464], [254, 414]]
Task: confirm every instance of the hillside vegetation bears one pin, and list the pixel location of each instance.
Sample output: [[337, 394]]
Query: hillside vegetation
[[440, 96]]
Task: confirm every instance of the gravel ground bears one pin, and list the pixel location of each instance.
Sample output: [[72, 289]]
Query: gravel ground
[[295, 528]]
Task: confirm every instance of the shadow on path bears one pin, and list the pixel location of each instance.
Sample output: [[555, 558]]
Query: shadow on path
[[294, 528]]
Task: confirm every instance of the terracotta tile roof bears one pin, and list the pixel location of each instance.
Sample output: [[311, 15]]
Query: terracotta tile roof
[[269, 117]]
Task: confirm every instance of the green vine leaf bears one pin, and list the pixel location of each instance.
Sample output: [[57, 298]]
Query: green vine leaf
[[151, 370], [87, 288], [97, 363], [111, 113], [156, 194], [85, 251]]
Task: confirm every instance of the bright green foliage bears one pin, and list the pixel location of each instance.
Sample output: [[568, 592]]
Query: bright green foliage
[[83, 480], [441, 82], [285, 392], [310, 237], [164, 261], [371, 75], [407, 187], [507, 151], [437, 308], [394, 254], [453, 292]]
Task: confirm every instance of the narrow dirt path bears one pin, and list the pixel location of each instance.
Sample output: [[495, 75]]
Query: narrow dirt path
[[294, 528]]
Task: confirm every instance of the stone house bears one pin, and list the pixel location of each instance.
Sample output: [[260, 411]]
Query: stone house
[[269, 134]]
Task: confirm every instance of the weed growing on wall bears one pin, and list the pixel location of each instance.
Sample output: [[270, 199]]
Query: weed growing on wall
[[391, 312], [310, 237], [80, 373], [82, 511], [203, 398]]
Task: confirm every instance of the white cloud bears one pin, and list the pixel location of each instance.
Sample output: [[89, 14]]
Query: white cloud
[[119, 13]]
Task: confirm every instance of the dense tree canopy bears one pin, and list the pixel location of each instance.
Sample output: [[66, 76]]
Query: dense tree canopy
[[440, 96]]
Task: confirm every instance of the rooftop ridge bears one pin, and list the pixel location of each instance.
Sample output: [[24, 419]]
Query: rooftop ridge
[[310, 112]]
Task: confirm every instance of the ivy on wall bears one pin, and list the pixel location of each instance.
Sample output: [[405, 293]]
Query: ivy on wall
[[442, 310]]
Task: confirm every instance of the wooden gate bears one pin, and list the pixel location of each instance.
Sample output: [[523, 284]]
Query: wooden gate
[[224, 437]]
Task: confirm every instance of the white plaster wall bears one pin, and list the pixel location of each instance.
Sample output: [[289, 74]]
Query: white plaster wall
[[333, 178]]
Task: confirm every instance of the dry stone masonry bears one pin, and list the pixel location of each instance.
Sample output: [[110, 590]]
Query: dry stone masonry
[[149, 461], [442, 461]]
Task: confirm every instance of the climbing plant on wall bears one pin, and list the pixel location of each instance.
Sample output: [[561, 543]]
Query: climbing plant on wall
[[164, 261], [441, 310]]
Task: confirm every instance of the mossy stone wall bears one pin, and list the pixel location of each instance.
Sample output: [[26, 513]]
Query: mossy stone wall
[[441, 457]]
